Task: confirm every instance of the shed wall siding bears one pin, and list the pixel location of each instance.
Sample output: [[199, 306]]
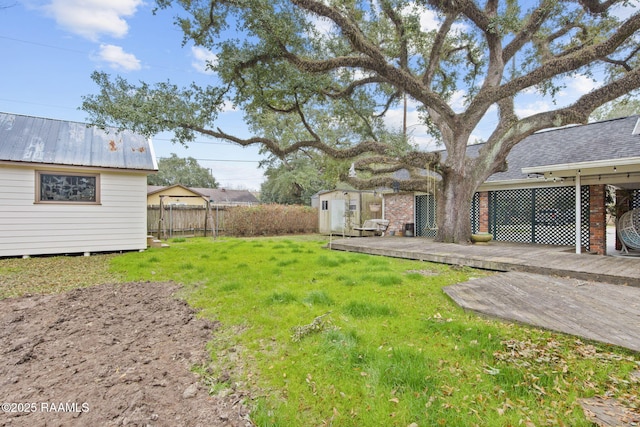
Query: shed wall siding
[[27, 228]]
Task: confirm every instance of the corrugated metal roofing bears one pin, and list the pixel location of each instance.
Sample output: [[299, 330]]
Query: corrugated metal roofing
[[47, 141]]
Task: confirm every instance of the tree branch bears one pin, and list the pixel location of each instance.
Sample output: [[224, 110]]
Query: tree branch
[[351, 31], [559, 66], [436, 50], [532, 25], [400, 32], [279, 151], [594, 6]]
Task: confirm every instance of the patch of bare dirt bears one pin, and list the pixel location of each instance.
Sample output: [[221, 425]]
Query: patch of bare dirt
[[108, 355]]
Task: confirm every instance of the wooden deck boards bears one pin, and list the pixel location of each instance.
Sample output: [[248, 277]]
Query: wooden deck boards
[[499, 256], [597, 311], [545, 286]]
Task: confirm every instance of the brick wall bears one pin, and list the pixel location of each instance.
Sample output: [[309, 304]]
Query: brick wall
[[598, 220], [399, 209]]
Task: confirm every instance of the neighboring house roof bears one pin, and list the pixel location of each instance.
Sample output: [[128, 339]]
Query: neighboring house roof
[[222, 195], [606, 140], [36, 140], [216, 195], [153, 189]]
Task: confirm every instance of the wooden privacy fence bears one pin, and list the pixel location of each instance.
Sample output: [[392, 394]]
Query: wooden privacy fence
[[261, 220]]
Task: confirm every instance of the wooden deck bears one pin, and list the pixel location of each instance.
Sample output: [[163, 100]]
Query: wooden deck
[[597, 311], [500, 256], [544, 286]]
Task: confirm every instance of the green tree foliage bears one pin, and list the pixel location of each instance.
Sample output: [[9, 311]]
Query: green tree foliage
[[623, 107], [321, 75], [295, 180], [177, 170]]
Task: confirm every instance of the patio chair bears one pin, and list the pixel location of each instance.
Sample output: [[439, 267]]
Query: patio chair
[[374, 225], [628, 228]]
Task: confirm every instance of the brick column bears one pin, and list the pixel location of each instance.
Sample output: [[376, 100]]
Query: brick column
[[597, 219], [483, 226]]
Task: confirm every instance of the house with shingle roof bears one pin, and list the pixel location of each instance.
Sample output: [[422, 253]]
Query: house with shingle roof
[[68, 188], [178, 194], [555, 184]]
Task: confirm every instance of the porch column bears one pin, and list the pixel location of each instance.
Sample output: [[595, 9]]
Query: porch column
[[598, 219], [483, 225]]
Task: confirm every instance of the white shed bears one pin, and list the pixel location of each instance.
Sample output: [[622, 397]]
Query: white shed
[[68, 188], [342, 211]]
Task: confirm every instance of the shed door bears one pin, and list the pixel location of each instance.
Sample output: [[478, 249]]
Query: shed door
[[337, 208]]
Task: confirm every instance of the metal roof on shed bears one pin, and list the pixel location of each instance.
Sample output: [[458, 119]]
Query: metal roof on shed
[[28, 139]]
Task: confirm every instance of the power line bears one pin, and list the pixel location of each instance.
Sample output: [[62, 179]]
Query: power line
[[221, 160], [80, 52], [43, 45], [38, 104], [198, 142]]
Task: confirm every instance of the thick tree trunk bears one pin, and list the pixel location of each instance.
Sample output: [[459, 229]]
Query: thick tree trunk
[[454, 208]]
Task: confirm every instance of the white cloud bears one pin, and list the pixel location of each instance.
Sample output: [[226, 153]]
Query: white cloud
[[429, 20], [322, 25], [117, 58], [529, 109], [579, 85], [201, 58], [457, 101], [92, 18]]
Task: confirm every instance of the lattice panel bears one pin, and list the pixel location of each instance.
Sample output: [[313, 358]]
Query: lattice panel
[[585, 223], [539, 215], [475, 213], [635, 199], [510, 215]]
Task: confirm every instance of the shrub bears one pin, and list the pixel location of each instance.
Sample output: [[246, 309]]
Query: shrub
[[269, 220]]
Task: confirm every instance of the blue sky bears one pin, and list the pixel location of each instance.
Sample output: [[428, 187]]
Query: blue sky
[[49, 48]]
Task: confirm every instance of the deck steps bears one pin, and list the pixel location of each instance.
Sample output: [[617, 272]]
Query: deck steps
[[152, 242]]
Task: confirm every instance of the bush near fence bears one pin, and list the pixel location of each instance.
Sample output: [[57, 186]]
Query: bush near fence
[[268, 220], [237, 221]]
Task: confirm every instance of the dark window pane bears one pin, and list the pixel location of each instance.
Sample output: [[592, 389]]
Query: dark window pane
[[67, 188]]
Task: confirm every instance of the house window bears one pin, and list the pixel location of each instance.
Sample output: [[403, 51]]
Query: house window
[[67, 188], [353, 205], [325, 205]]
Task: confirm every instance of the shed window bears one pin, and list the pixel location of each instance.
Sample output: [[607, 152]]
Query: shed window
[[67, 188], [325, 205]]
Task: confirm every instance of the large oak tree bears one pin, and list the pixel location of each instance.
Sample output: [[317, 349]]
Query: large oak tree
[[321, 74]]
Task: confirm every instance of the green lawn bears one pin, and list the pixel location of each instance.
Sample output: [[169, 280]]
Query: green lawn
[[323, 337]]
